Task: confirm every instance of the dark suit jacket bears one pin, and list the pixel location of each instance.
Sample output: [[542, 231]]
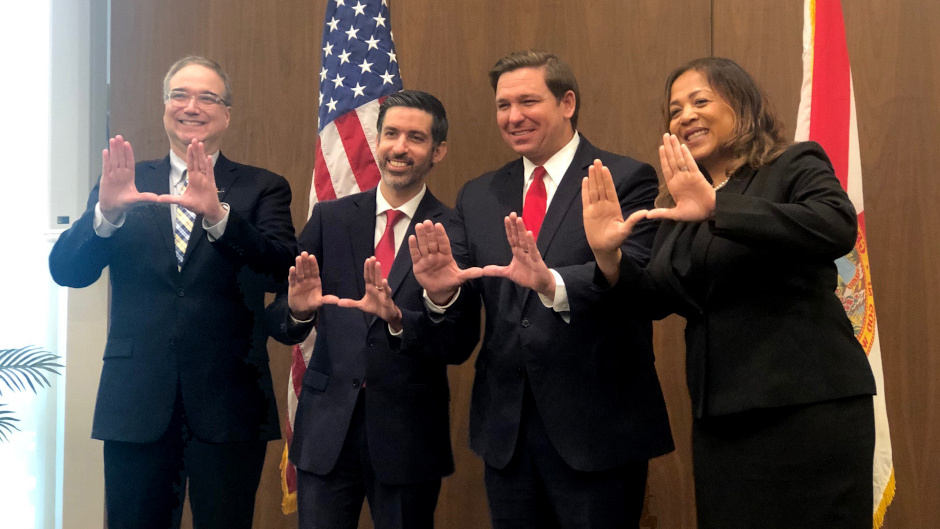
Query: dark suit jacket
[[756, 286], [405, 378], [593, 379], [198, 330]]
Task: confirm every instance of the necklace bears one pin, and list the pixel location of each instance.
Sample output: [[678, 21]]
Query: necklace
[[721, 185]]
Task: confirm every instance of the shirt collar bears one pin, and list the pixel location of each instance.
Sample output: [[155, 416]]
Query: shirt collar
[[558, 164], [178, 165], [408, 208]]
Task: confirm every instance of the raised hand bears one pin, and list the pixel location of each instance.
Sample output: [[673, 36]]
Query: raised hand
[[604, 225], [117, 191], [694, 196], [304, 289], [527, 268], [433, 263], [201, 196], [378, 297]]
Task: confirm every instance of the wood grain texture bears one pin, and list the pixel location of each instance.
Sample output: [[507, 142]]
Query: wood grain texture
[[621, 52]]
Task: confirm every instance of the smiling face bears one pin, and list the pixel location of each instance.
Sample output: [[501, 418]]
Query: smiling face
[[702, 120], [532, 120], [406, 152], [205, 123]]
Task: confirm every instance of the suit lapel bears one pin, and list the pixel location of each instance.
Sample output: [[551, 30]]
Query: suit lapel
[[568, 190], [361, 229], [155, 178]]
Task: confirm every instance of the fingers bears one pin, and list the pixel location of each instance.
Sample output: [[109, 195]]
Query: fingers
[[662, 213], [413, 247], [495, 271], [371, 270], [105, 164], [306, 266], [467, 274], [116, 146], [443, 241], [422, 232], [664, 164], [512, 232], [688, 159]]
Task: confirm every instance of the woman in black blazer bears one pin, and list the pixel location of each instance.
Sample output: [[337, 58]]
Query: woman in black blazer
[[783, 431]]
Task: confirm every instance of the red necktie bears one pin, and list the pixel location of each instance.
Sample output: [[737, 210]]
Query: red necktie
[[385, 249], [535, 200]]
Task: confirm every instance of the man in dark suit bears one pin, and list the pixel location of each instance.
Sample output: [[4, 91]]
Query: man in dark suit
[[185, 391], [372, 420], [566, 408]]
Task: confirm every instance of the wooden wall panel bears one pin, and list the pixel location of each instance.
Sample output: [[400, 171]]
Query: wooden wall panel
[[621, 52]]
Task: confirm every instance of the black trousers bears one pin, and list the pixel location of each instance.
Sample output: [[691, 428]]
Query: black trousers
[[538, 490], [145, 483], [334, 500]]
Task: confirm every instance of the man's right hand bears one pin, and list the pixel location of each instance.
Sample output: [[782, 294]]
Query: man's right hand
[[433, 263], [304, 290], [117, 191]]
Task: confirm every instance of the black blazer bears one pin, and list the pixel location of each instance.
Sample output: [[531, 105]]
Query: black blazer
[[404, 378], [593, 379], [757, 288], [198, 331]]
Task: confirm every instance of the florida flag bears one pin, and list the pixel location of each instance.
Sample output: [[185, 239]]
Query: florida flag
[[358, 69], [827, 116]]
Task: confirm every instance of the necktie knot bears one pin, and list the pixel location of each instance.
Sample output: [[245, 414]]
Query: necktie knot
[[536, 201]]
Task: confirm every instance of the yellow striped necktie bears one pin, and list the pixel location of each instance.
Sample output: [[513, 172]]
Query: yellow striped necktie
[[183, 226]]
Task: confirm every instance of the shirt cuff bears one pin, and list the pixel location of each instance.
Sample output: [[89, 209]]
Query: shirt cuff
[[435, 311], [295, 321], [103, 228], [560, 303], [216, 232], [392, 332]]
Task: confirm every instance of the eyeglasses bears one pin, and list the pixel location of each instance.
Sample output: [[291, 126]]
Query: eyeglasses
[[180, 98]]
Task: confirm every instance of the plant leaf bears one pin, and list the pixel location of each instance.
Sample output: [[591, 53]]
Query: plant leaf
[[27, 366]]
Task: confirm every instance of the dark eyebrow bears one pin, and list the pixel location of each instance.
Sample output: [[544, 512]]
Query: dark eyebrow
[[691, 95]]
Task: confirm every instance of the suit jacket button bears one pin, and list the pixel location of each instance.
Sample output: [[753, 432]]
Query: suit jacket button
[[520, 372], [180, 293], [525, 322], [355, 382]]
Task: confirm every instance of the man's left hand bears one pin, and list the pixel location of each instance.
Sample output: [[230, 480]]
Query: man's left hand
[[527, 268], [201, 196], [378, 297]]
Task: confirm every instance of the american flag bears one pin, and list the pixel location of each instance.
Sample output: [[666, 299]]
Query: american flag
[[358, 68]]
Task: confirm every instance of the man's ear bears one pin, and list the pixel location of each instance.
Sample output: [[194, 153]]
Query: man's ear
[[569, 102], [439, 152]]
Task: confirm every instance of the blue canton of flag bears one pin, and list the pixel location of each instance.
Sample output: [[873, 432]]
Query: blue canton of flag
[[358, 64]]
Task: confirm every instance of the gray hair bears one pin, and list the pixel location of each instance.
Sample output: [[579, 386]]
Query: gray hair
[[226, 95]]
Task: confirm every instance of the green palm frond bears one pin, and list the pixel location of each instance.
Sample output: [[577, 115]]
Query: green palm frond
[[26, 367], [7, 425]]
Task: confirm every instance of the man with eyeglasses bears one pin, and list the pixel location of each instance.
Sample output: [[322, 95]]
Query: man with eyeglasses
[[185, 395]]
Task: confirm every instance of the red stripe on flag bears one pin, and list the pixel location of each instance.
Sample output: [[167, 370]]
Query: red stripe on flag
[[357, 150], [322, 183], [829, 125], [297, 368]]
